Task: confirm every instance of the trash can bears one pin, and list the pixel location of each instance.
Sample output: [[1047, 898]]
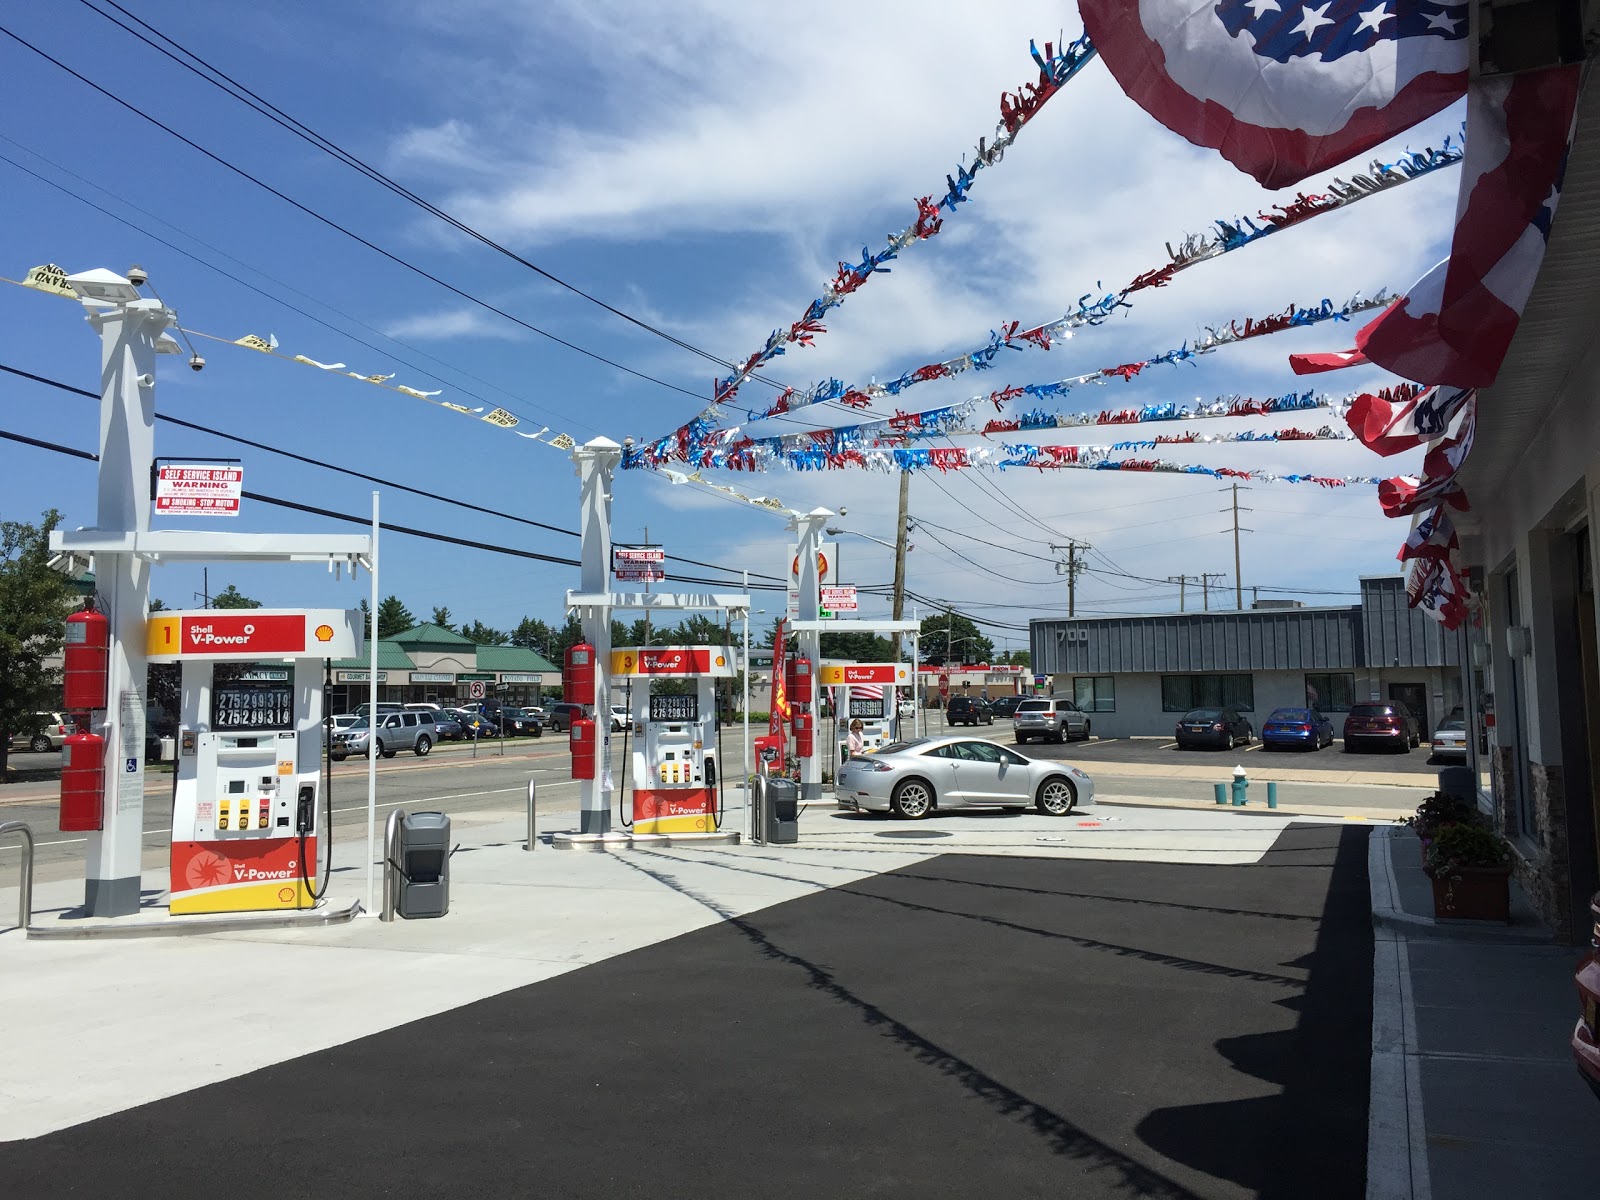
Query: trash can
[[781, 812], [424, 862], [1459, 783]]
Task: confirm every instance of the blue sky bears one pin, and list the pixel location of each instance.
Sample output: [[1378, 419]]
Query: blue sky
[[704, 168]]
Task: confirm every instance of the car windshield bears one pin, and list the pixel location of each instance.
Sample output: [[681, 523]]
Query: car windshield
[[1204, 714], [1034, 706], [1452, 723], [904, 747], [358, 724], [1291, 714]]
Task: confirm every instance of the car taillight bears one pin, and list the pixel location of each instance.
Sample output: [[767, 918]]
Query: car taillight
[[1302, 729], [1219, 725]]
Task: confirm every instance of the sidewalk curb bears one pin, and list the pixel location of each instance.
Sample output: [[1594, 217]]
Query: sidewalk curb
[[1397, 1146], [1387, 915]]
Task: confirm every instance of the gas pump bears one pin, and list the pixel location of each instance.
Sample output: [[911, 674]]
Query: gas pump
[[674, 767], [246, 798], [874, 713]]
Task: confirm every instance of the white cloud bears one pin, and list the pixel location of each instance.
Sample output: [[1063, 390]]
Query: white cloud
[[451, 323]]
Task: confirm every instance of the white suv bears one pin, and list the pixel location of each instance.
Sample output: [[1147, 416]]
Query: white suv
[[1050, 720]]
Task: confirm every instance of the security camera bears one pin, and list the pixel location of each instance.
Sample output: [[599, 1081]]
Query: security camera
[[138, 276], [843, 511], [147, 380], [196, 363]]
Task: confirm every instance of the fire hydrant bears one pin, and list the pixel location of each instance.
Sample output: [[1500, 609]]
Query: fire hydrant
[[1241, 784]]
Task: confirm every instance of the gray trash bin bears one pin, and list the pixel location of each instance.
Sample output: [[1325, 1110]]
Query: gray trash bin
[[424, 861], [1459, 783], [782, 812]]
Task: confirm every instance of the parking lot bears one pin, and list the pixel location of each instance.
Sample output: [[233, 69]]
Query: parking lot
[[1155, 751]]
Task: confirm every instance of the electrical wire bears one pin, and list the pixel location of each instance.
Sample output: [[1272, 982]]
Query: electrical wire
[[226, 83], [378, 479], [332, 224]]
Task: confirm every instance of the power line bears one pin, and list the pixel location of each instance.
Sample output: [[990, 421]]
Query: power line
[[226, 83], [362, 475], [350, 233]]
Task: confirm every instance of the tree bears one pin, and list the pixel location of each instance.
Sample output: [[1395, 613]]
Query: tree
[[232, 597], [532, 634], [158, 605], [441, 618], [485, 635], [951, 637], [861, 647], [394, 617], [33, 611], [569, 635], [1019, 658]]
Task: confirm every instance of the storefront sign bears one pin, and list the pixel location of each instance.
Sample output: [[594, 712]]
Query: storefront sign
[[198, 489], [358, 676], [433, 677], [839, 674], [521, 677]]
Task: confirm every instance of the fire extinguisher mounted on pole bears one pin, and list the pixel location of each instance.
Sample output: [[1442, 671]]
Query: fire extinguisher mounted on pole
[[87, 654]]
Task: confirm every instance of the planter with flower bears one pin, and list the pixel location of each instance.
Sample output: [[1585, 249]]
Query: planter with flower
[[1437, 812], [1471, 872]]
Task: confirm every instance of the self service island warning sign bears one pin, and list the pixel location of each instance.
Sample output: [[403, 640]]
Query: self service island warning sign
[[199, 489]]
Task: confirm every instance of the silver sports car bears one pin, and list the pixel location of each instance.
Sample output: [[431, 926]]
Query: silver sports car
[[913, 779]]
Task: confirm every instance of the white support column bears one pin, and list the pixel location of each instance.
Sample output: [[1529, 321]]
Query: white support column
[[128, 336], [809, 529], [597, 463]]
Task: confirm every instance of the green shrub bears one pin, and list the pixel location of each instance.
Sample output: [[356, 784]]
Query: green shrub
[[1439, 811], [1465, 845]]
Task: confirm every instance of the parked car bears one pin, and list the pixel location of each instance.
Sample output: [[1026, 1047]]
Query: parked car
[[562, 716], [915, 779], [474, 725], [907, 709], [396, 732], [1386, 724], [1296, 729], [340, 723], [1450, 739], [51, 729], [446, 726], [1222, 728], [969, 710], [621, 718], [1051, 720], [518, 721], [1006, 706], [384, 706], [1586, 1034]]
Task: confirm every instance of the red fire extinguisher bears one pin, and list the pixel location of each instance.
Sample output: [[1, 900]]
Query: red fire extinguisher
[[83, 780], [577, 678], [580, 737], [87, 652], [801, 688], [805, 737]]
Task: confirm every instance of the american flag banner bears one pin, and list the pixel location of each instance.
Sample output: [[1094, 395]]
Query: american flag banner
[[1404, 418], [1456, 323], [1405, 494], [1435, 586], [1283, 89], [1433, 535]]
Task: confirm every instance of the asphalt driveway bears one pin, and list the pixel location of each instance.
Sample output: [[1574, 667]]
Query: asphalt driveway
[[963, 1027]]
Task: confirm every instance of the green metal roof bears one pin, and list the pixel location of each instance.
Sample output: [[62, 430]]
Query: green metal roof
[[431, 637], [391, 657], [512, 658]]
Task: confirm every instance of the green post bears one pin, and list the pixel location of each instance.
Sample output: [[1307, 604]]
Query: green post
[[1272, 794], [1221, 792]]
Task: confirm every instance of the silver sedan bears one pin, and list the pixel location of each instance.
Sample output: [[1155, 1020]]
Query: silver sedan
[[913, 779]]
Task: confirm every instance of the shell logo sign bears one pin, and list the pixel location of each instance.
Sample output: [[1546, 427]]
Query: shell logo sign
[[324, 633]]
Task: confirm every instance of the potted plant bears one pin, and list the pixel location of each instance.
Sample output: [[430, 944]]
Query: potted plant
[[1436, 812], [1471, 873]]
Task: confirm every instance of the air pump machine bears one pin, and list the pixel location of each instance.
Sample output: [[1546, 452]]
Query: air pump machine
[[674, 764], [246, 797]]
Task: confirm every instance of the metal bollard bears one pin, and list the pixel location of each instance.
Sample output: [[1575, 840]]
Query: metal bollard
[[1272, 794], [1221, 792], [1241, 785], [533, 833]]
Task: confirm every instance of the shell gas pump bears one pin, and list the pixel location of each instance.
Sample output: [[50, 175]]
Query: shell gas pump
[[674, 764], [247, 798]]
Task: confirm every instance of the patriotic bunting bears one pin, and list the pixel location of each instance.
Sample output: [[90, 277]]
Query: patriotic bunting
[[1283, 88], [1405, 417], [1405, 494], [1433, 535]]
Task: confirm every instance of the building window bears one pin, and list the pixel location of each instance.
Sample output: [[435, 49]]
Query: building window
[[1180, 693], [1331, 692], [1095, 693]]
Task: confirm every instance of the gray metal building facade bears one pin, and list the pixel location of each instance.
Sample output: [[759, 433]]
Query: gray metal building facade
[[1137, 674]]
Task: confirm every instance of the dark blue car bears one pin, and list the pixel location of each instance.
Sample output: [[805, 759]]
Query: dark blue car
[[1299, 728]]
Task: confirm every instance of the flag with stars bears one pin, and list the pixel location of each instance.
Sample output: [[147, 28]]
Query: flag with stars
[[1284, 89]]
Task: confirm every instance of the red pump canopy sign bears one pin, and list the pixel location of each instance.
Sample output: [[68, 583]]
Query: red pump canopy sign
[[679, 661], [248, 633]]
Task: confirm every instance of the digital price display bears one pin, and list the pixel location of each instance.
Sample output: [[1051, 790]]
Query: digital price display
[[248, 704], [674, 708], [869, 708]]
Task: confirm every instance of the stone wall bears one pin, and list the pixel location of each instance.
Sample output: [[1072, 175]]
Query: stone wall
[[1541, 864]]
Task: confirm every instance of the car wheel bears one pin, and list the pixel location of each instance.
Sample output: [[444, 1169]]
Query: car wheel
[[1229, 742], [424, 744], [1088, 727], [384, 750], [1056, 797], [40, 744], [912, 800], [1021, 741], [338, 755]]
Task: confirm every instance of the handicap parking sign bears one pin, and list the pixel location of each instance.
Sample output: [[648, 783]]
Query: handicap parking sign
[[133, 765]]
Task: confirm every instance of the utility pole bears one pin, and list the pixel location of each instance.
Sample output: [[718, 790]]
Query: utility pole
[[1070, 569], [1205, 586], [1183, 587], [901, 531], [1238, 579]]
